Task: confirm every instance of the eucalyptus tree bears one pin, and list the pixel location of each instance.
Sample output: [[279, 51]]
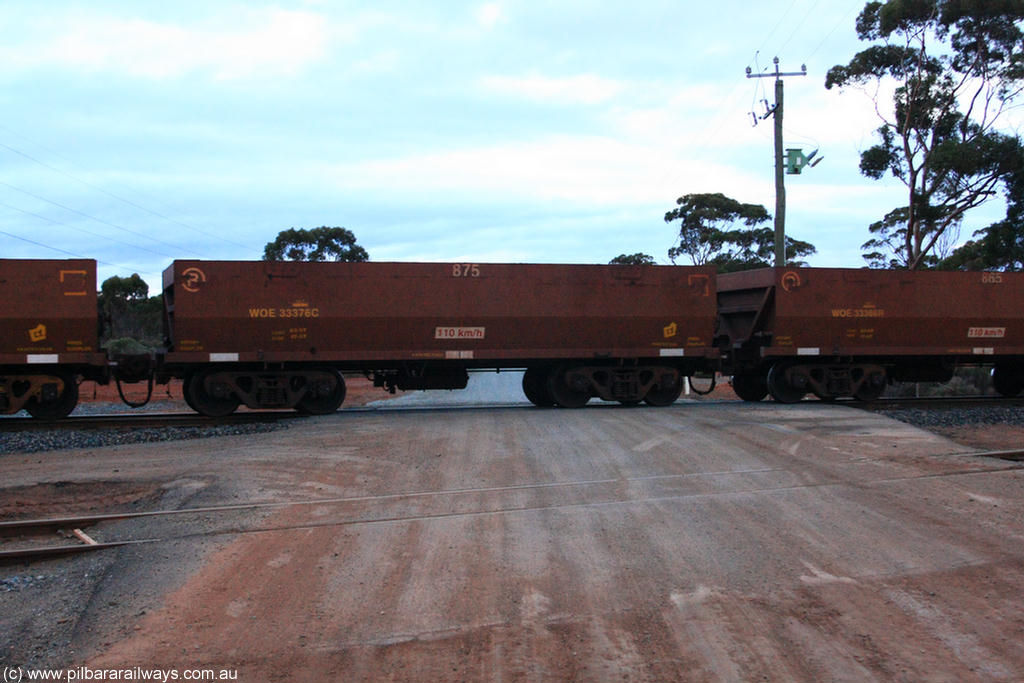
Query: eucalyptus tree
[[318, 244], [941, 73], [718, 230]]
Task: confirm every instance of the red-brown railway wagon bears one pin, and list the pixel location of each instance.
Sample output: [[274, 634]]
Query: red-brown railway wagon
[[49, 334], [280, 333], [844, 332]]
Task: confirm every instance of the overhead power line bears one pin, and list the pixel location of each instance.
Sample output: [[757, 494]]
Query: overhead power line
[[62, 251], [119, 198], [778, 23], [799, 25], [93, 218], [839, 23], [63, 225]]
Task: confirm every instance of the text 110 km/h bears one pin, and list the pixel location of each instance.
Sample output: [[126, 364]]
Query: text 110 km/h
[[459, 332]]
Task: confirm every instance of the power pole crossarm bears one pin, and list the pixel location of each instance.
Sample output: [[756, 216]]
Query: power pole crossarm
[[780, 166]]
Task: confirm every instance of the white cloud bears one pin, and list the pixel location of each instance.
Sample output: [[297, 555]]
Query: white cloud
[[383, 62], [584, 88], [590, 170], [489, 15], [273, 43]]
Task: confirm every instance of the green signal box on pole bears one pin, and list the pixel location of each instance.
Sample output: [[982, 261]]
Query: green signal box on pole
[[796, 160]]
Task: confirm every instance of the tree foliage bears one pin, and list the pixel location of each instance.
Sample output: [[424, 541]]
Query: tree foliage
[[128, 312], [1000, 246], [318, 244], [637, 259], [723, 232], [116, 288], [956, 66]]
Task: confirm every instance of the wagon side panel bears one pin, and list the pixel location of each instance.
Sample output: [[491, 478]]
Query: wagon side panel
[[48, 312], [897, 313], [406, 311]]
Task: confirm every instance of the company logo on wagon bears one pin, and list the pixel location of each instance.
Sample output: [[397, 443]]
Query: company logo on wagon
[[37, 333], [192, 279]]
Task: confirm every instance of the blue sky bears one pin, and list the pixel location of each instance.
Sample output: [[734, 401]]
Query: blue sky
[[135, 133]]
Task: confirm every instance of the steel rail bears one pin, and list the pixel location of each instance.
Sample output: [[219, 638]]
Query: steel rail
[[53, 551], [900, 403], [146, 420]]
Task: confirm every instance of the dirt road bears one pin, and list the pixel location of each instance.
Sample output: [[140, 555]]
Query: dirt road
[[711, 542]]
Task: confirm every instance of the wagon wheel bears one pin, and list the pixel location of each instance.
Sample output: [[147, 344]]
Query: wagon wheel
[[535, 386], [1007, 380], [60, 406], [871, 388], [327, 399], [780, 389], [567, 390], [750, 386], [186, 393], [205, 403], [660, 396]]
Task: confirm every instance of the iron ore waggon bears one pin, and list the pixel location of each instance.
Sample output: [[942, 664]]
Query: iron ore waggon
[[282, 334], [843, 332], [49, 334]]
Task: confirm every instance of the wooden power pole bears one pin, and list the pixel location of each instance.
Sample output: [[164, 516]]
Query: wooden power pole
[[780, 167]]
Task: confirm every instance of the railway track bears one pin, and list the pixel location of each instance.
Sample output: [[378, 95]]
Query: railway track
[[141, 420], [944, 402], [24, 541], [190, 419]]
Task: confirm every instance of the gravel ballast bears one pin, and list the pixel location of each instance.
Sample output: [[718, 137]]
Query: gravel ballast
[[35, 441], [958, 417], [60, 439]]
